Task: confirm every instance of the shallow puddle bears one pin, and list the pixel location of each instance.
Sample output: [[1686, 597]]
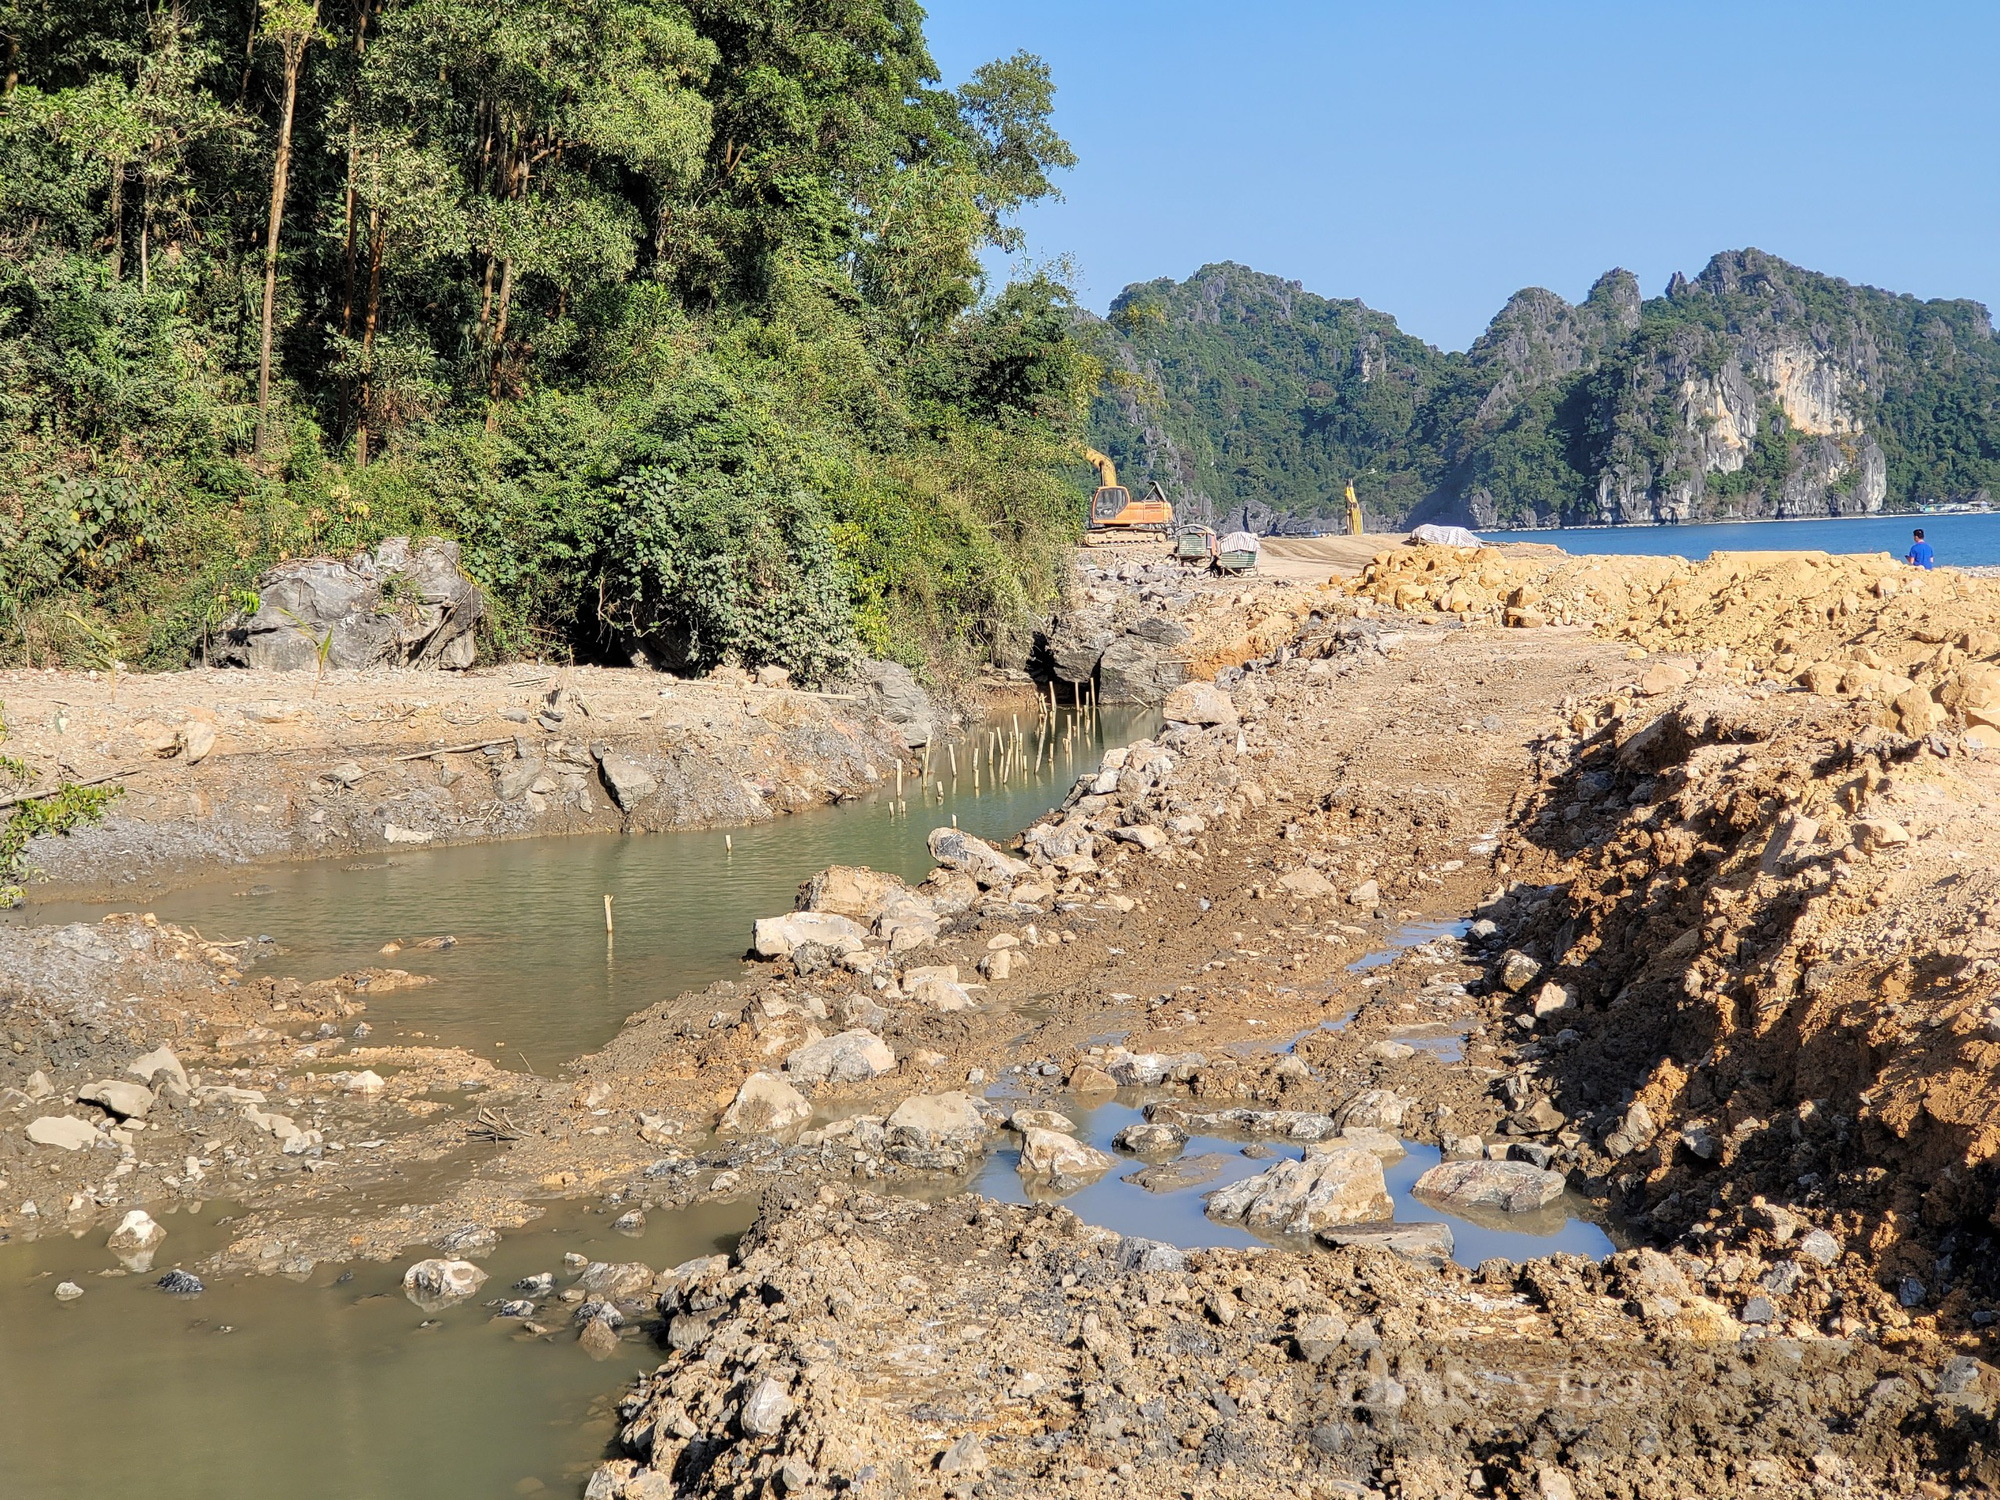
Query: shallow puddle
[[1177, 1217], [321, 1389], [1408, 936], [533, 976]]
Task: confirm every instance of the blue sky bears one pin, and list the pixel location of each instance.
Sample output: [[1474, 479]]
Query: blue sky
[[1431, 158]]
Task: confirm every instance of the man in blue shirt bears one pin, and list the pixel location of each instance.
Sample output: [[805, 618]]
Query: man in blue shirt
[[1919, 555]]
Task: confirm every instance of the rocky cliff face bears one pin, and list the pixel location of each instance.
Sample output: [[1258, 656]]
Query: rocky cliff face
[[1757, 389]]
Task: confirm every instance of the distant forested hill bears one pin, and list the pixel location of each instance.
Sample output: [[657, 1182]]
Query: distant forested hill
[[1756, 389]]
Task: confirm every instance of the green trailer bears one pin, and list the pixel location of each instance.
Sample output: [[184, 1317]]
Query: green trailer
[[1237, 553], [1195, 544]]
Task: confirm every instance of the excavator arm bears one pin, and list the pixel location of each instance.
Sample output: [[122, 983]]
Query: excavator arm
[[1107, 472]]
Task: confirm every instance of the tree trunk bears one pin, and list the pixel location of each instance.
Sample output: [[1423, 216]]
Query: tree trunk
[[117, 220], [353, 178], [499, 344], [375, 238], [13, 78], [486, 301], [295, 55], [347, 292], [145, 232]]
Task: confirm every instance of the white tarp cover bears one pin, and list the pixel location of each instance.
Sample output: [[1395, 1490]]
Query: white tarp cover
[[1239, 541], [1444, 536]]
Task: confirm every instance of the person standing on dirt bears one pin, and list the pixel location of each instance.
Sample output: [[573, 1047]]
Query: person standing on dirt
[[1919, 555]]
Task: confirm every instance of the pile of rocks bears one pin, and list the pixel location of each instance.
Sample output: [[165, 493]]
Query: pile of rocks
[[1059, 1359]]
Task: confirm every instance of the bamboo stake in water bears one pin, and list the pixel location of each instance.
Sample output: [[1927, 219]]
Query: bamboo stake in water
[[952, 751], [728, 844], [899, 776], [607, 913]]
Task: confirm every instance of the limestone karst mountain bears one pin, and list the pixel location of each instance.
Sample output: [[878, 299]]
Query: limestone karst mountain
[[1757, 389]]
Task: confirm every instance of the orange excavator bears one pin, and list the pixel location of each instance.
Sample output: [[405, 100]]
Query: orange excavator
[[1113, 511]]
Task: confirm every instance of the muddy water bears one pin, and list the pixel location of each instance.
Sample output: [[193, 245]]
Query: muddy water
[[532, 975], [334, 1387], [1177, 1217]]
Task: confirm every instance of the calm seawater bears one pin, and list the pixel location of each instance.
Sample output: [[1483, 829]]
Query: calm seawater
[[1963, 540]]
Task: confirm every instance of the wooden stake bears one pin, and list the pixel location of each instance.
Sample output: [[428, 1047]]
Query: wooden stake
[[728, 844], [607, 913]]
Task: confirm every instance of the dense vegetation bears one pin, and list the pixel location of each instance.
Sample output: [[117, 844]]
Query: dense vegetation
[[671, 311], [1238, 388]]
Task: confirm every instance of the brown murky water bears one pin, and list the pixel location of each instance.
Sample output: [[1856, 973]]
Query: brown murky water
[[333, 1387], [533, 976]]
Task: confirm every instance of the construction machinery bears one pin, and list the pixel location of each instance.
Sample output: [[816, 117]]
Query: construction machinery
[[1194, 543], [1354, 521], [1113, 511]]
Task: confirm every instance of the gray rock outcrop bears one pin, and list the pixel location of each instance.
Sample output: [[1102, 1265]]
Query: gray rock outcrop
[[1129, 659], [1510, 1186], [395, 605], [1340, 1185], [888, 688]]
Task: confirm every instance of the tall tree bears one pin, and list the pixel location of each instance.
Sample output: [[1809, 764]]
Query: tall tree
[[292, 25]]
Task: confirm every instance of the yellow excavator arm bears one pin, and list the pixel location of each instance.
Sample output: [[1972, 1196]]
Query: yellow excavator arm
[[1354, 519], [1107, 472]]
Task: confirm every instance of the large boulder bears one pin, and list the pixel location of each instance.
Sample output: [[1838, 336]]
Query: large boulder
[[66, 1131], [1060, 1160], [1199, 703], [958, 850], [1432, 1243], [397, 604], [850, 1057], [936, 1131], [628, 782], [1136, 670], [160, 1060], [1511, 1186], [889, 689], [128, 1101], [853, 891], [437, 1283], [1380, 1109], [1328, 1188], [135, 1239], [1075, 647], [764, 1105], [776, 937]]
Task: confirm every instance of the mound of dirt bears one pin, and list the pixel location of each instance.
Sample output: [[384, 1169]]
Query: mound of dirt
[[1781, 923], [966, 1348]]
